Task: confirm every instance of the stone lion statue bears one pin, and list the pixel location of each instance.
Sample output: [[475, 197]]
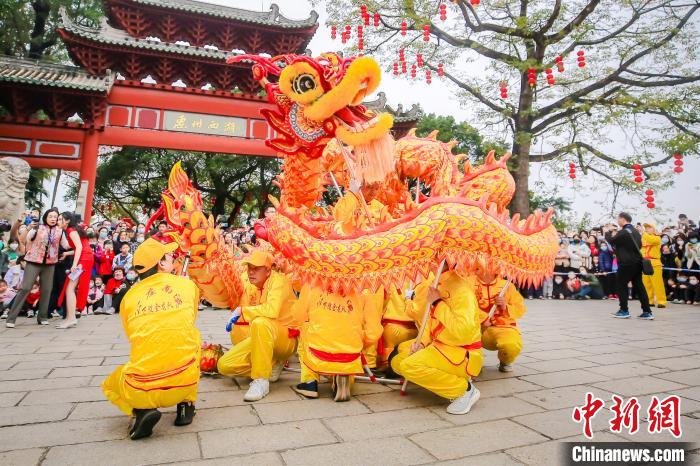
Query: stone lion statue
[[14, 174]]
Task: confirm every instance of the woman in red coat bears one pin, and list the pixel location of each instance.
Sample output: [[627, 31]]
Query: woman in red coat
[[77, 284]]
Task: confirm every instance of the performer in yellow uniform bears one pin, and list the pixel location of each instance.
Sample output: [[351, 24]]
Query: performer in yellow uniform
[[351, 215], [251, 297], [273, 329], [337, 330], [158, 314], [449, 353], [398, 325], [500, 332], [651, 249]]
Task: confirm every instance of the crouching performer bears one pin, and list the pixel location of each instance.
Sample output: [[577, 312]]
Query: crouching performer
[[337, 331], [158, 314], [449, 353], [499, 332], [273, 329]]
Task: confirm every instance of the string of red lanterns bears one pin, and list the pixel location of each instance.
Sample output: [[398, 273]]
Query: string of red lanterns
[[550, 76], [637, 173], [581, 59], [531, 77], [650, 198], [426, 33], [504, 90], [443, 11], [428, 77], [560, 63], [678, 162], [572, 170]]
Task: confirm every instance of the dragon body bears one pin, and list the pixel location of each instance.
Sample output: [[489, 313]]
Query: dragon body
[[324, 134]]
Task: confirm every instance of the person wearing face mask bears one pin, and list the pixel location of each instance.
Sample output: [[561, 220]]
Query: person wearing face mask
[[692, 293], [10, 252], [668, 261], [129, 279], [681, 291], [679, 247], [692, 253], [560, 290], [579, 253], [654, 284]]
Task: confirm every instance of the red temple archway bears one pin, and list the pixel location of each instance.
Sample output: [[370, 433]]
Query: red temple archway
[[194, 100]]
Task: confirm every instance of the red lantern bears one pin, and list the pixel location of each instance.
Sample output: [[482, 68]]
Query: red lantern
[[363, 9], [440, 70], [396, 69], [650, 198], [443, 12], [638, 179], [428, 77], [413, 70], [581, 59], [334, 32], [636, 166], [504, 90], [344, 37], [426, 33], [572, 176], [678, 169], [560, 63], [376, 20], [403, 28], [678, 162], [365, 19], [550, 76], [360, 44], [531, 77], [649, 192], [651, 205], [677, 156], [637, 173], [419, 59], [474, 2], [402, 55], [359, 31]]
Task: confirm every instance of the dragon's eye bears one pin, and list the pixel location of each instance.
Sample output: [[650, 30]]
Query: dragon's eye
[[303, 83]]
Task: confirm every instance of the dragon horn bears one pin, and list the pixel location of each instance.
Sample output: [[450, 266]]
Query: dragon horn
[[268, 64]]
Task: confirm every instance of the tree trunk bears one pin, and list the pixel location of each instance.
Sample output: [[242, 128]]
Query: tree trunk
[[37, 44], [521, 200]]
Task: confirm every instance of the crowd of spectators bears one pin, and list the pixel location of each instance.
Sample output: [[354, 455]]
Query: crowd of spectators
[[586, 265]]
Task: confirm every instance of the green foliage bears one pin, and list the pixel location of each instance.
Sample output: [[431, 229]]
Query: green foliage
[[28, 27], [34, 191], [234, 186]]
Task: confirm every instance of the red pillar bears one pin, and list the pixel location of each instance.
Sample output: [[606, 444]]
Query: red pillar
[[88, 169]]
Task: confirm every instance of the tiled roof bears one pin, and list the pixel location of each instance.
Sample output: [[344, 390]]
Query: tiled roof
[[271, 18], [106, 34], [33, 72], [380, 105]]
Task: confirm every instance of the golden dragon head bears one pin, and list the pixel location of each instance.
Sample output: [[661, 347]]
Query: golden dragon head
[[319, 99]]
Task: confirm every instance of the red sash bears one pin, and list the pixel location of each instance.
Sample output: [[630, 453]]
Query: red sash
[[334, 357]]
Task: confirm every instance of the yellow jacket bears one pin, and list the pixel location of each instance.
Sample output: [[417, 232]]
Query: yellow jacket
[[651, 248], [486, 296], [338, 328], [453, 327], [351, 216], [395, 306], [275, 301], [158, 315]]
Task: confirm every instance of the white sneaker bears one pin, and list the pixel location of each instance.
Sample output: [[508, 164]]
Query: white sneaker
[[109, 311], [505, 367], [55, 314], [258, 389], [30, 314], [4, 315], [276, 371], [464, 403], [10, 325]]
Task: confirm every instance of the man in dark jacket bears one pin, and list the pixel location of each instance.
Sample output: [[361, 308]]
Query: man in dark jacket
[[627, 243]]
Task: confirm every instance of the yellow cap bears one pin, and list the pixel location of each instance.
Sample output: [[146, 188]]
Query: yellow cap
[[259, 258], [150, 252], [650, 225]]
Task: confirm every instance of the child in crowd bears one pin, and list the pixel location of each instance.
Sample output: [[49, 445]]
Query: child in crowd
[[8, 253], [113, 286], [560, 291], [15, 273], [124, 258], [95, 295], [131, 276], [692, 293], [32, 301], [573, 284], [104, 261], [7, 294]]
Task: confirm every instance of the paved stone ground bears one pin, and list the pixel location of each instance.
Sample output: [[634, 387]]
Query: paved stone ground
[[52, 410]]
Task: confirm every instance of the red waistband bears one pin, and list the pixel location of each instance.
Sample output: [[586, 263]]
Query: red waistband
[[402, 323], [293, 332], [473, 346], [334, 357], [242, 322]]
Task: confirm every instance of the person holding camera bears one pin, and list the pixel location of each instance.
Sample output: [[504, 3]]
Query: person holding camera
[[627, 243], [41, 243]]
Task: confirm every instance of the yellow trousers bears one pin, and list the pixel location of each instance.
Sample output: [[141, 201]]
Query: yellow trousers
[[268, 343], [239, 333], [433, 371], [654, 285], [393, 335], [169, 392], [506, 340]]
